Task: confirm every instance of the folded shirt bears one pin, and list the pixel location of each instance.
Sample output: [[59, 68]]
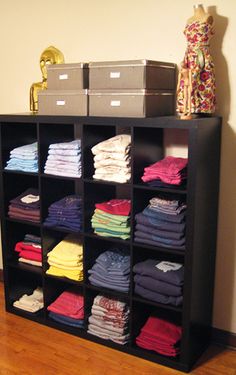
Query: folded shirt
[[158, 297], [29, 199], [169, 272], [69, 303], [77, 323], [118, 143], [115, 206], [31, 303], [72, 145], [170, 170]]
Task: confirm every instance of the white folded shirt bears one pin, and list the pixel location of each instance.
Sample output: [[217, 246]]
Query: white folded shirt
[[118, 143]]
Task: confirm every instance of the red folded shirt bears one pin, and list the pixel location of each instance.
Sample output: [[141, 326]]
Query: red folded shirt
[[163, 330], [20, 246], [31, 255], [68, 304], [115, 206]]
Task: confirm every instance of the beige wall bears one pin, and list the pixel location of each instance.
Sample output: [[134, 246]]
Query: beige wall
[[95, 30]]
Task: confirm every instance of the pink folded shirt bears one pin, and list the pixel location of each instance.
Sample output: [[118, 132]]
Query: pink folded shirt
[[169, 170]]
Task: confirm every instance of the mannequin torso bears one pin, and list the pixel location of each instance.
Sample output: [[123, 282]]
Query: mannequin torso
[[200, 15]]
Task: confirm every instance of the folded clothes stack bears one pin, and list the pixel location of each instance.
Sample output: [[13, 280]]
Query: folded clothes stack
[[159, 281], [161, 336], [112, 218], [30, 250], [109, 320], [168, 172], [64, 159], [68, 308], [111, 270], [24, 158], [32, 302], [112, 159], [65, 213], [66, 259], [26, 206], [162, 223]]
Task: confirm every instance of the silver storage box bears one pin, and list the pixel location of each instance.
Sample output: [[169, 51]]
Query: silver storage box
[[67, 76], [67, 102], [133, 74], [131, 103]]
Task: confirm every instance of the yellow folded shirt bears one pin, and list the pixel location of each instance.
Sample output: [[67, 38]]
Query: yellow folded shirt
[[78, 267], [73, 275], [68, 249], [69, 263]]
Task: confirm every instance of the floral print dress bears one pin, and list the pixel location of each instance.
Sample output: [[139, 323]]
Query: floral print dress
[[198, 59]]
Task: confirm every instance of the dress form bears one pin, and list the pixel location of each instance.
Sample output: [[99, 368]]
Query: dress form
[[196, 81]]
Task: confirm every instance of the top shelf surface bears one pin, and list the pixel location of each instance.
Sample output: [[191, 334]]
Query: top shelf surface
[[159, 122]]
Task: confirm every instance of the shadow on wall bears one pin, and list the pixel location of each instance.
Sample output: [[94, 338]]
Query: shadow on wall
[[225, 261]]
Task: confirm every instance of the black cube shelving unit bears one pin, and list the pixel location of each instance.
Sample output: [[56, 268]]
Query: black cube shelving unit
[[148, 136]]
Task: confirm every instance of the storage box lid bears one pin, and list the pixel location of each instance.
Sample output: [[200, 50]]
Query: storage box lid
[[130, 92], [63, 92], [142, 62], [67, 66]]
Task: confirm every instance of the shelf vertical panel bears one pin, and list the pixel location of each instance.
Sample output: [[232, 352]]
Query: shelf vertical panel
[[202, 210]]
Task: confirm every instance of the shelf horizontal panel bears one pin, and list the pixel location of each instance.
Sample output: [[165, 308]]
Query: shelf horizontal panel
[[66, 328], [52, 176], [37, 316], [111, 239], [64, 279], [102, 290], [103, 182], [5, 171], [109, 343], [165, 250], [25, 267], [156, 304], [64, 230], [159, 189], [25, 222], [150, 355]]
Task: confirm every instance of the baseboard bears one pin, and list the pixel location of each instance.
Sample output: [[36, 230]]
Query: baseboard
[[223, 338], [1, 275]]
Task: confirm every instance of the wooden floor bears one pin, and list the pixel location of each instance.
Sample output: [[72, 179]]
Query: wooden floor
[[28, 348]]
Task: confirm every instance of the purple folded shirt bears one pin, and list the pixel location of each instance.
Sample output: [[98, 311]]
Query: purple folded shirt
[[169, 272], [157, 297], [155, 223], [28, 199], [158, 285]]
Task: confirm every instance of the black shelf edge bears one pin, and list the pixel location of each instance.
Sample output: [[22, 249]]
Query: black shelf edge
[[136, 298], [159, 121]]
